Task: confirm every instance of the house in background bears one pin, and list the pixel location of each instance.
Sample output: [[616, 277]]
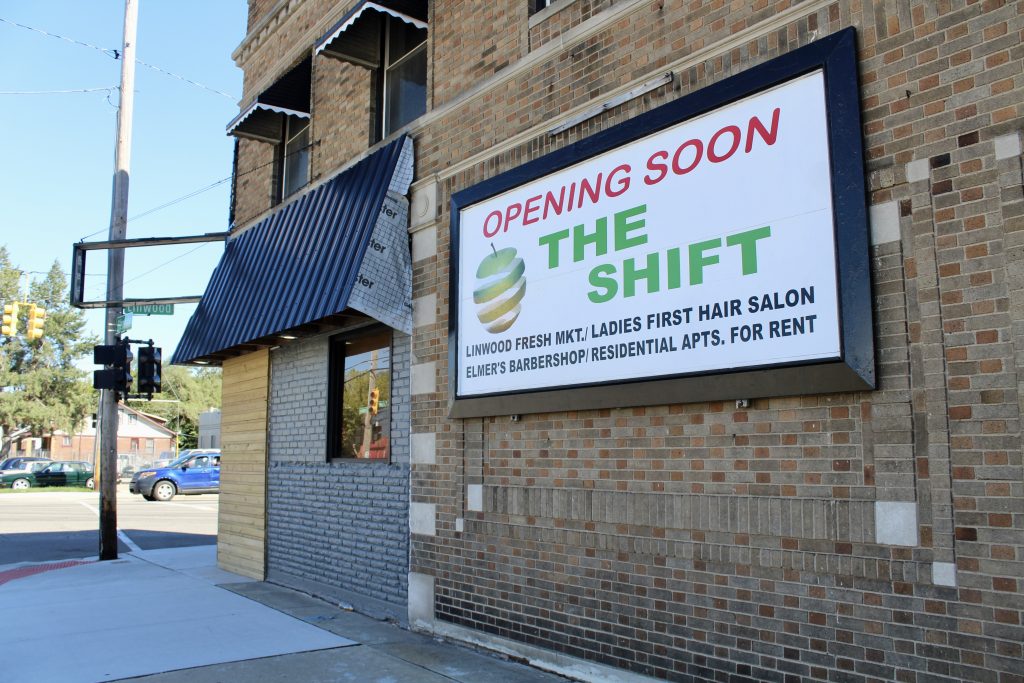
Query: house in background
[[140, 436]]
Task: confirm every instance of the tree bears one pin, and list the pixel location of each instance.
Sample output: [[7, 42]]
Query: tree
[[40, 388], [196, 390]]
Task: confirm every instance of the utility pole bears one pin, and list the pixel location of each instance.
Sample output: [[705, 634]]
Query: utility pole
[[108, 421], [364, 450]]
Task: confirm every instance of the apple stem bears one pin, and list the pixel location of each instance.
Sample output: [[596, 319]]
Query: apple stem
[[493, 249]]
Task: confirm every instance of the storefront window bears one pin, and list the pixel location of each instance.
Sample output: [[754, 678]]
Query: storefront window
[[360, 397]]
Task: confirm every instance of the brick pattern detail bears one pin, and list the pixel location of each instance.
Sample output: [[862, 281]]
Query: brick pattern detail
[[702, 542], [343, 524], [344, 527], [476, 40], [341, 126], [281, 46], [574, 13], [254, 191], [259, 9]]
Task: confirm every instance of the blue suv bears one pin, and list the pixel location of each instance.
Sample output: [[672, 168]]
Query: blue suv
[[194, 471]]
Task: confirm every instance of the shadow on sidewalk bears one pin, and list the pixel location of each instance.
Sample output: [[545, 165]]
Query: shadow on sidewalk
[[50, 546]]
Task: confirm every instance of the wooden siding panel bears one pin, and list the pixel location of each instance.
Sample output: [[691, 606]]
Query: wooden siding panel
[[241, 535]]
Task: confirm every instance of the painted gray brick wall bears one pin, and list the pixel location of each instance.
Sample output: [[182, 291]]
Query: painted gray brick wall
[[336, 528]]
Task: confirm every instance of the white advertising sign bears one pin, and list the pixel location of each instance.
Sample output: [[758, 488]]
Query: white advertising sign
[[705, 247]]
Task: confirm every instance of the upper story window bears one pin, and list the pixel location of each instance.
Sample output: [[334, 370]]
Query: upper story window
[[390, 38], [403, 74], [293, 157], [280, 116]]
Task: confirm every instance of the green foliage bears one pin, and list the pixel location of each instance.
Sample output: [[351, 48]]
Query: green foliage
[[40, 387], [196, 390]]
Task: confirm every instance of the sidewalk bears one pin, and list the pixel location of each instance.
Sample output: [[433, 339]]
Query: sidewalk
[[170, 616]]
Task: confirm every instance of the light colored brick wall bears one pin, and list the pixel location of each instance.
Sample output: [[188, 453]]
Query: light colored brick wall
[[341, 124], [702, 541], [701, 534], [341, 527], [253, 188], [282, 38], [472, 41], [258, 9], [562, 15]]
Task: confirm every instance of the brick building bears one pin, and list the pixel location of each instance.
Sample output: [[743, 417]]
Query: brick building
[[845, 507]]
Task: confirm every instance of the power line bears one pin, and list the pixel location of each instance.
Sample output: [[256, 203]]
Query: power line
[[107, 51], [206, 188], [172, 202], [116, 55], [99, 286], [181, 198], [56, 92], [166, 263], [182, 78]]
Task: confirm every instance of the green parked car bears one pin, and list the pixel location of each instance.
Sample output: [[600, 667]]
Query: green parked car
[[19, 473], [72, 473]]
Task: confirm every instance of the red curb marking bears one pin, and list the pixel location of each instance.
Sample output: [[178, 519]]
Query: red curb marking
[[20, 572]]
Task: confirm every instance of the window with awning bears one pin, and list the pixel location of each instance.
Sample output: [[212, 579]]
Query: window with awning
[[390, 38], [266, 117]]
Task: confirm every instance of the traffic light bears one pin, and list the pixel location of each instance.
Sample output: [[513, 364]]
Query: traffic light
[[124, 366], [374, 400], [150, 358], [36, 320], [118, 375], [10, 327]]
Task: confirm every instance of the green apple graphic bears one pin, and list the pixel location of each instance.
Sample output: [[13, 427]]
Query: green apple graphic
[[501, 285]]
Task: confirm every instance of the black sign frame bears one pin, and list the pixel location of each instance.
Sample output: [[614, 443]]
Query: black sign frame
[[854, 370]]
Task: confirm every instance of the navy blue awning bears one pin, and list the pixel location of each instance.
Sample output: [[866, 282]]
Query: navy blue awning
[[263, 119], [299, 264]]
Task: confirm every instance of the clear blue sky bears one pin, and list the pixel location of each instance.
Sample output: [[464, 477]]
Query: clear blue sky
[[57, 157]]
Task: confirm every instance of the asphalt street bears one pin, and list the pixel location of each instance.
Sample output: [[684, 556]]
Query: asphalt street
[[41, 526]]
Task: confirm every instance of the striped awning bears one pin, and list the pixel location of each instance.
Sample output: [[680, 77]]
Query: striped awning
[[356, 36], [264, 117], [298, 265]]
